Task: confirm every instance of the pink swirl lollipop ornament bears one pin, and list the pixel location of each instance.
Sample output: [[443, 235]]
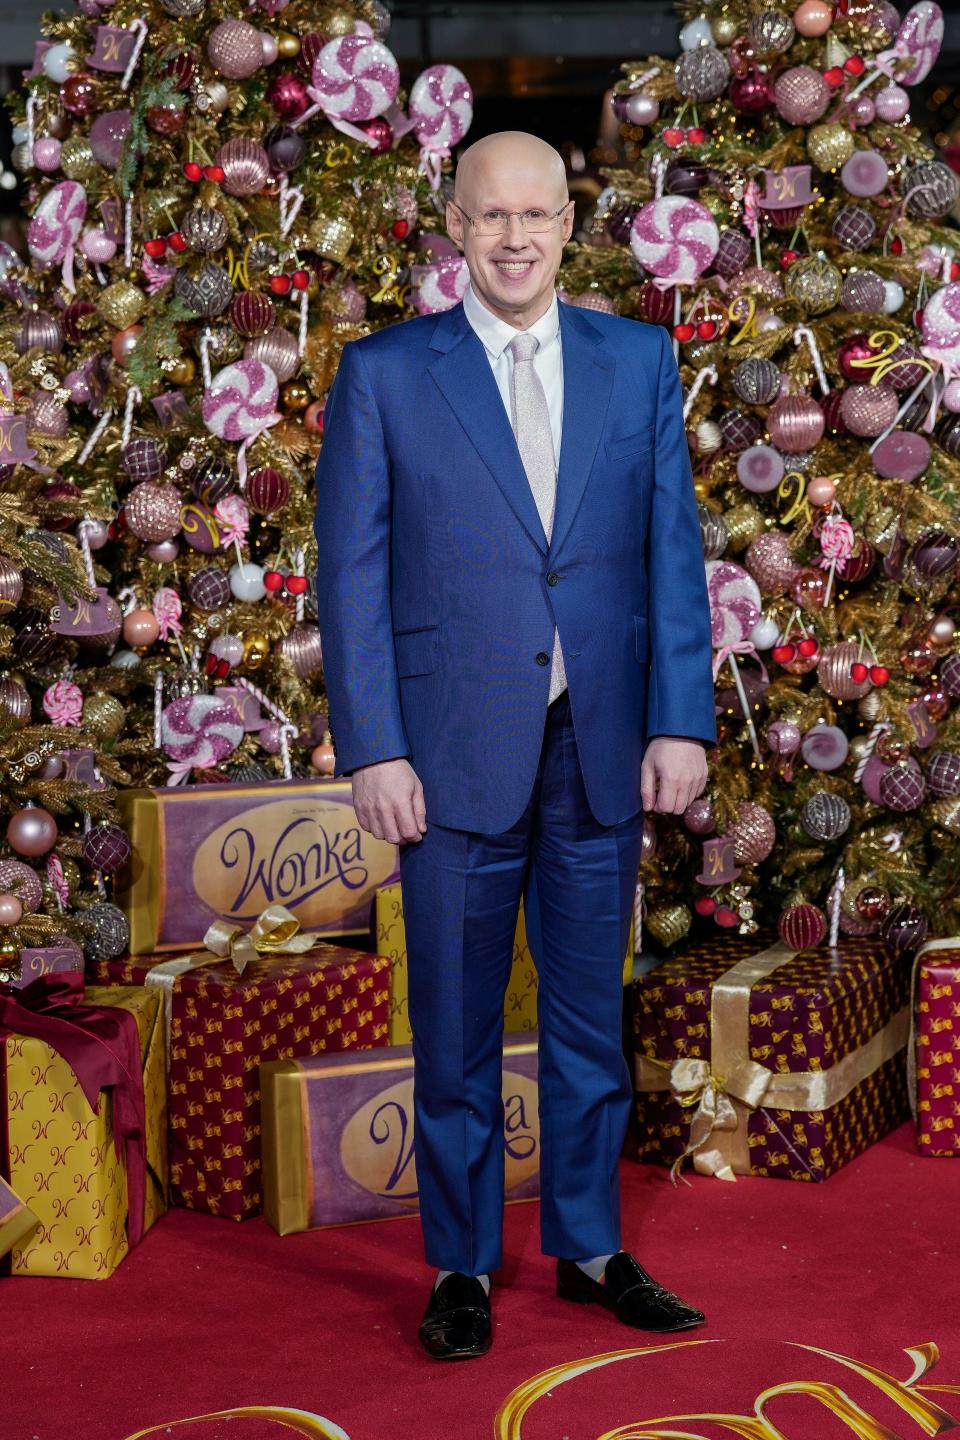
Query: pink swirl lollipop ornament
[[198, 730], [55, 228], [63, 702], [240, 404], [735, 608], [441, 111], [940, 329], [354, 78], [675, 238], [918, 40], [439, 286]]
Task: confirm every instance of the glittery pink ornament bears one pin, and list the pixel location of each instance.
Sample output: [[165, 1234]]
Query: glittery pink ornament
[[63, 703], [699, 817], [235, 49], [674, 238], [771, 562], [245, 164], [801, 95], [892, 103], [918, 40], [735, 604], [753, 833], [17, 878], [355, 78], [199, 730], [441, 103], [795, 423], [152, 511], [783, 737], [869, 409]]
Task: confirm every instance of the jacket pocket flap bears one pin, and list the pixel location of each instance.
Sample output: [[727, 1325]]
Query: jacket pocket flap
[[416, 651], [619, 445], [641, 628]]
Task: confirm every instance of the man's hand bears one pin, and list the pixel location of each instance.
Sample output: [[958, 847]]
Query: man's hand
[[673, 773], [388, 799]]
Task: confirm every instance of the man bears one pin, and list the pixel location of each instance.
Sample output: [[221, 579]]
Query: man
[[517, 660]]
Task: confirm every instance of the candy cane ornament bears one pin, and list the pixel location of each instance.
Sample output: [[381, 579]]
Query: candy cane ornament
[[804, 333], [709, 372]]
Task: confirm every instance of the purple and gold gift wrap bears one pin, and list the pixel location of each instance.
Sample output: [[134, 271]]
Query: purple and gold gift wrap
[[225, 852], [776, 1062], [17, 1220], [935, 1052], [338, 1136], [222, 1024], [62, 1158], [520, 1001]]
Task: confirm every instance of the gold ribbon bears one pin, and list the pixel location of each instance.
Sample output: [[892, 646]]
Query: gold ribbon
[[274, 932], [726, 1088], [946, 942]]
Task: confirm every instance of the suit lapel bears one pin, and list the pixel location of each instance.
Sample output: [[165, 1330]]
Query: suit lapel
[[462, 372], [588, 367]]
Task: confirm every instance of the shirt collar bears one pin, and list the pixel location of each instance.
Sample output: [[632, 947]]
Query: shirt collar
[[496, 334]]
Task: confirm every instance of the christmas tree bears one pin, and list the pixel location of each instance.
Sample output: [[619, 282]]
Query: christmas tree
[[220, 197], [782, 214]]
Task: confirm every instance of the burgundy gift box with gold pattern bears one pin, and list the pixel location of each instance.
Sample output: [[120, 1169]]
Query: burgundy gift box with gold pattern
[[754, 1058], [222, 1026], [936, 1052]]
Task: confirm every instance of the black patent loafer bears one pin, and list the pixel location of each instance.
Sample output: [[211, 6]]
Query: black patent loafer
[[456, 1323], [630, 1293]]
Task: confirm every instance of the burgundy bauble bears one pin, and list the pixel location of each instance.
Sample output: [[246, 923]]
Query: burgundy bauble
[[854, 348], [79, 94], [620, 223], [654, 304], [934, 554], [212, 479], [902, 786], [178, 66], [285, 147], [144, 457], [832, 407], [738, 429], [252, 313], [950, 675], [287, 94], [684, 177], [943, 773], [751, 92], [379, 132], [802, 926], [268, 490], [859, 565], [76, 320], [733, 252], [904, 930], [33, 641]]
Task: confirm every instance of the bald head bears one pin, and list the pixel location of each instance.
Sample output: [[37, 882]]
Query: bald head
[[509, 156]]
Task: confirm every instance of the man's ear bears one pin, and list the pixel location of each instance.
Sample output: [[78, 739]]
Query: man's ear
[[568, 221], [454, 224]]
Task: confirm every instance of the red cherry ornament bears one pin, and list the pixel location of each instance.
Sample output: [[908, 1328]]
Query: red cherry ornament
[[833, 76], [808, 646], [684, 332], [672, 136], [858, 671], [879, 674]]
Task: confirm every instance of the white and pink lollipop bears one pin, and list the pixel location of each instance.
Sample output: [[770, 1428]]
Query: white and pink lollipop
[[198, 730], [735, 603], [55, 228], [440, 286], [240, 404], [940, 328], [63, 702], [441, 105], [355, 78], [675, 238], [918, 40]]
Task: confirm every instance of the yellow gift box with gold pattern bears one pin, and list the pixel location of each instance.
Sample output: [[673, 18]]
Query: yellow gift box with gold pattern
[[520, 1002], [63, 1162]]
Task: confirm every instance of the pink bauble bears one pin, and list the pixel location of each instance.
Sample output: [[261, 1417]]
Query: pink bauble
[[107, 137], [833, 671], [753, 833], [802, 926], [902, 455], [164, 552], [141, 627], [861, 111], [699, 817], [735, 604], [783, 737], [46, 154], [760, 469], [241, 401], [323, 759], [11, 909], [795, 423], [124, 343], [771, 562], [269, 47], [269, 737], [821, 490], [870, 778], [22, 880], [825, 747], [801, 95], [441, 103], [277, 349], [235, 49], [245, 165], [32, 831], [356, 78], [813, 18], [892, 103], [97, 246], [674, 238], [865, 174], [869, 409], [152, 511]]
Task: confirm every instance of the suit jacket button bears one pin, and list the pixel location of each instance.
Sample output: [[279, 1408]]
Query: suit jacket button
[[552, 578], [543, 658]]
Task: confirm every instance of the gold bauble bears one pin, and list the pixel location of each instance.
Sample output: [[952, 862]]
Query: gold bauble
[[121, 304], [702, 487], [256, 648], [331, 236], [945, 812], [814, 283], [337, 22], [182, 371], [77, 160], [668, 923], [724, 29], [71, 874], [10, 971], [294, 396], [858, 745], [103, 714], [744, 523], [829, 146], [288, 45]]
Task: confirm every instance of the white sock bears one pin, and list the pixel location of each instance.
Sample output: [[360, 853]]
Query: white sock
[[595, 1267], [442, 1275]]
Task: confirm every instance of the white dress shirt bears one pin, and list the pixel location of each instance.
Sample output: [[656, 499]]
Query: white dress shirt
[[496, 335]]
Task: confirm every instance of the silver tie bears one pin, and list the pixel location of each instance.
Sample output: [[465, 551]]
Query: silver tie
[[531, 425]]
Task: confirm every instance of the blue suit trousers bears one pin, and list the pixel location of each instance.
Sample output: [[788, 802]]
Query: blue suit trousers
[[461, 894]]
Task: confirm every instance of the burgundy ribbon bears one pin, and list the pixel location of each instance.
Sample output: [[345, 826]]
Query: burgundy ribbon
[[101, 1044]]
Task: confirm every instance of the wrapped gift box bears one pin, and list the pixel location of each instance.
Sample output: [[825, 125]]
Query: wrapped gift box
[[338, 1136], [222, 1026], [520, 1001], [936, 1054], [17, 1221], [758, 1059], [61, 1156], [208, 852], [65, 959]]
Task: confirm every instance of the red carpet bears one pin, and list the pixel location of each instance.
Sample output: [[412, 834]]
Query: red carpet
[[210, 1315]]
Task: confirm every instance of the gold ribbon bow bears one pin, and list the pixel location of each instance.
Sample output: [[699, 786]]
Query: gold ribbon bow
[[275, 931], [728, 1086]]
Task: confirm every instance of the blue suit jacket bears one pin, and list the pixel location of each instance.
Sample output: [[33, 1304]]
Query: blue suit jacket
[[437, 590]]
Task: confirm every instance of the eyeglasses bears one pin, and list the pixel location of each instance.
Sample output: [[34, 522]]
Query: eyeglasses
[[497, 222]]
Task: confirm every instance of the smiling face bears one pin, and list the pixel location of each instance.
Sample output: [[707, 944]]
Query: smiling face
[[512, 274]]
